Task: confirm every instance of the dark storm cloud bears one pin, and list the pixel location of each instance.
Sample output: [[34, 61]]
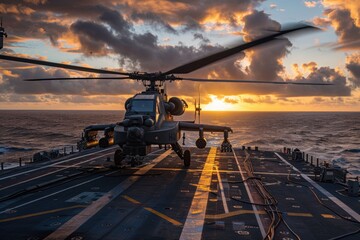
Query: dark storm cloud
[[107, 27], [353, 65], [153, 19], [201, 37], [320, 75], [345, 27], [187, 14], [12, 83]]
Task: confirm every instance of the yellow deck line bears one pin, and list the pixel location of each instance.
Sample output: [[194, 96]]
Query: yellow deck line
[[41, 213], [75, 222], [163, 216], [159, 214], [131, 199], [294, 214], [194, 223]]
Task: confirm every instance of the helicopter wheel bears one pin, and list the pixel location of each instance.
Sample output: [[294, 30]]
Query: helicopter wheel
[[187, 158], [118, 157]]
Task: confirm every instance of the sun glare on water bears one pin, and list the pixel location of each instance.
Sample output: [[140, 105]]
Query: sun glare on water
[[219, 105]]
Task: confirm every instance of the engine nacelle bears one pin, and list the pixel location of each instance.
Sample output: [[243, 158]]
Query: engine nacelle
[[179, 108], [200, 143]]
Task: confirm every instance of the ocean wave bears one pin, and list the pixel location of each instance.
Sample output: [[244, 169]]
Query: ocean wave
[[13, 149], [355, 150]]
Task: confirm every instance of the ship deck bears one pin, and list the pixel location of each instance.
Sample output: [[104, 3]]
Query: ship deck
[[240, 194]]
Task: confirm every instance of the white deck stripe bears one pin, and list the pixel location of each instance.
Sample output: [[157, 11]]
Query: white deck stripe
[[59, 162], [337, 201], [74, 223], [257, 216], [58, 170], [223, 198], [194, 223], [51, 194]]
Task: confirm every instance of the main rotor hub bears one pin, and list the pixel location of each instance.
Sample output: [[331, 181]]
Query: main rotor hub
[[152, 81]]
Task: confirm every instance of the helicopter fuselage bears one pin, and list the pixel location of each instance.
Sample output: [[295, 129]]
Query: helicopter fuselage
[[146, 123]]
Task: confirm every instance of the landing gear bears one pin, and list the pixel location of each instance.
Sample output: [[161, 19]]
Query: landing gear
[[118, 157], [186, 156]]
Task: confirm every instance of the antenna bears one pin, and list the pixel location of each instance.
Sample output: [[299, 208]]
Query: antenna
[[2, 34], [198, 107]]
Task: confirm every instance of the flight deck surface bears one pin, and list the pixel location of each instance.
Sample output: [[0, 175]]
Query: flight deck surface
[[82, 197]]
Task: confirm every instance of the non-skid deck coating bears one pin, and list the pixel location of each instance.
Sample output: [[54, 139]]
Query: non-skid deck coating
[[81, 197]]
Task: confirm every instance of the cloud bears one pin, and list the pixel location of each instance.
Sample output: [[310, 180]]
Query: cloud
[[345, 18], [310, 4], [273, 5], [258, 99], [353, 65], [321, 22], [231, 100], [120, 28]]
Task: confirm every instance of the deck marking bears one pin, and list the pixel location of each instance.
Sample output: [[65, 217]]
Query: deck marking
[[337, 201], [261, 226], [46, 174], [131, 199], [163, 216], [40, 213], [223, 198], [75, 222], [194, 223], [68, 166], [51, 194], [54, 164], [159, 214], [327, 216], [260, 212]]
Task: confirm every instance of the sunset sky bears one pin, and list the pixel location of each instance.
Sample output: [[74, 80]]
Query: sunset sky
[[151, 36]]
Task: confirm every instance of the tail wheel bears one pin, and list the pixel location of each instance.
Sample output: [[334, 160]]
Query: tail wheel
[[118, 157], [187, 158]]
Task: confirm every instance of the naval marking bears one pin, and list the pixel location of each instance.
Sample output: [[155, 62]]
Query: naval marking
[[159, 214], [75, 222], [337, 201], [226, 208], [46, 174], [194, 223], [54, 164], [261, 226], [131, 199], [260, 212], [41, 213], [52, 194], [167, 218]]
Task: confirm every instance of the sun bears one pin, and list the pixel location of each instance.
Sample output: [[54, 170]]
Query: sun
[[217, 104]]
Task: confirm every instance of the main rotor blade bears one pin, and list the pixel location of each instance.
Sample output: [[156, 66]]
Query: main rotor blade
[[202, 62], [59, 65], [80, 78], [250, 81]]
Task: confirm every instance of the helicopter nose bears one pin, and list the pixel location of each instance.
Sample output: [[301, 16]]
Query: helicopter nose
[[135, 134]]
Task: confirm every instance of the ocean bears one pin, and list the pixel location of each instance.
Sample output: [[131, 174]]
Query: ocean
[[330, 136]]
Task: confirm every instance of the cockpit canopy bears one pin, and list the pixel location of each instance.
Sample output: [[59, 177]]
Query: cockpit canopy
[[142, 104]]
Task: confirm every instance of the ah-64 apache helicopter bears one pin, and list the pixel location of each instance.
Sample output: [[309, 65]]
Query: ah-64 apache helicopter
[[149, 115]]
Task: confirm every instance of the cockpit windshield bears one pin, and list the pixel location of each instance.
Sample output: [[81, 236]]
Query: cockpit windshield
[[142, 106]]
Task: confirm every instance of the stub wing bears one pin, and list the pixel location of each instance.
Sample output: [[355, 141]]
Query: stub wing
[[187, 126]]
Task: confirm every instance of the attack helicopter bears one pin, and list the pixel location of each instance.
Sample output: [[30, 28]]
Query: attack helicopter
[[149, 117]]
